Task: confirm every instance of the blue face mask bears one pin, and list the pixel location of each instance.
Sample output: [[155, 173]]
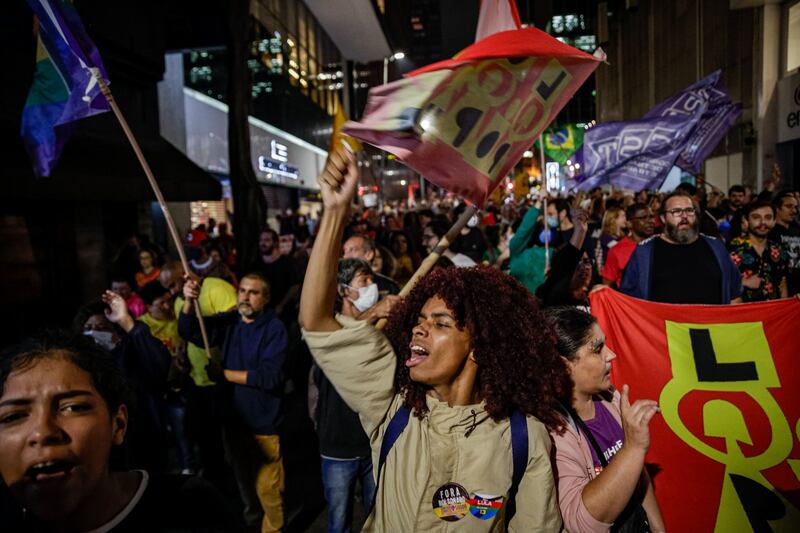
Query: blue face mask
[[552, 222]]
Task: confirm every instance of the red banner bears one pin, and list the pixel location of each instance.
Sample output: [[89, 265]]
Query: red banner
[[725, 451]]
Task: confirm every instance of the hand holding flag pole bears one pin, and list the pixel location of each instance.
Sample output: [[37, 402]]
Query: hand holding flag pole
[[437, 252], [544, 206], [159, 196], [65, 89], [433, 257]]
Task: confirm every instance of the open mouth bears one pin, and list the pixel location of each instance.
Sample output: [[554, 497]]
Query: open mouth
[[418, 355], [49, 470]]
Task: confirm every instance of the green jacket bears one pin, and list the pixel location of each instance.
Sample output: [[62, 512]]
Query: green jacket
[[527, 263]]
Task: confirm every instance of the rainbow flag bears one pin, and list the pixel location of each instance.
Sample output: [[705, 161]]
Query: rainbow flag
[[64, 85], [465, 122]]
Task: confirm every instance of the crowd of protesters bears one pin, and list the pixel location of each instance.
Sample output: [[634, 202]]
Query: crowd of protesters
[[443, 363]]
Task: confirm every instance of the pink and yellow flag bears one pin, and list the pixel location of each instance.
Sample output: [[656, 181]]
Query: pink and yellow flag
[[465, 122]]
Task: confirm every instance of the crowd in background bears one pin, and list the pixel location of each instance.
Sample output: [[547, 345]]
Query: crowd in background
[[193, 416]]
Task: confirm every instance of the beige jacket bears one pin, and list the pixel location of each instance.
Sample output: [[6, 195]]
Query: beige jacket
[[360, 363], [575, 469]]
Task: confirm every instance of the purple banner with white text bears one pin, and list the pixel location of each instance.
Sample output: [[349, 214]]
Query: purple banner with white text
[[682, 130]]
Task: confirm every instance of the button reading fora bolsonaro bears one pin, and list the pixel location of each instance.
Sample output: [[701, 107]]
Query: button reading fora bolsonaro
[[450, 502]]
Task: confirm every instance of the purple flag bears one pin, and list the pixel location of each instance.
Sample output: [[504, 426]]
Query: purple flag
[[64, 87], [718, 117], [681, 130]]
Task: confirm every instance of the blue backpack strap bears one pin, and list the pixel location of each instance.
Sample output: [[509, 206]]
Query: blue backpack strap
[[519, 453], [396, 426]]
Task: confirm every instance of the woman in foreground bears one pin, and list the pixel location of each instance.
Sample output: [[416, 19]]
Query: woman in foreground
[[456, 397], [602, 483], [63, 408]]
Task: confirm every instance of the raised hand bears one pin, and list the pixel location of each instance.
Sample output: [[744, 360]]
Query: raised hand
[[636, 420], [117, 311], [339, 179], [381, 309], [580, 218]]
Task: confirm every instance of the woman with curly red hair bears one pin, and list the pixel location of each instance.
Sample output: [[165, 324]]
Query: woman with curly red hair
[[446, 394]]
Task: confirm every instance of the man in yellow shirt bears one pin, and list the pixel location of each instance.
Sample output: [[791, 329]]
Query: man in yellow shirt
[[202, 412]]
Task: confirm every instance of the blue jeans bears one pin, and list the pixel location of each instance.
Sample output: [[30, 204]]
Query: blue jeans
[[176, 413], [339, 480]]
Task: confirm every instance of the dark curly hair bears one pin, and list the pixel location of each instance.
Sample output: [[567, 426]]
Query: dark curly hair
[[513, 345]]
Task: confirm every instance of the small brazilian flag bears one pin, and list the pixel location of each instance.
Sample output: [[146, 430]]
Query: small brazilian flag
[[560, 144]]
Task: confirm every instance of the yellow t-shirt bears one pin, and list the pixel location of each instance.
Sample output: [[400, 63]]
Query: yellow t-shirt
[[216, 296], [164, 330]]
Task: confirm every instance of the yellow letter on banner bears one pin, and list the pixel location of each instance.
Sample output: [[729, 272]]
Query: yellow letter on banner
[[729, 357], [492, 107]]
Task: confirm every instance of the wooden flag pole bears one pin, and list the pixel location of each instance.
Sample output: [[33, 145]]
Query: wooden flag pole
[[544, 206], [433, 257], [160, 197]]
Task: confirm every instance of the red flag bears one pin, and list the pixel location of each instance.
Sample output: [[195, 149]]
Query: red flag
[[496, 16], [464, 123], [725, 449]]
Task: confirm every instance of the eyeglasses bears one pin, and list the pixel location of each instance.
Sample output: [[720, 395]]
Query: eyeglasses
[[688, 211]]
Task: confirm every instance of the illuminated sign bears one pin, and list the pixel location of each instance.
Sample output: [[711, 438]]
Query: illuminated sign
[[276, 168], [279, 151], [553, 180]]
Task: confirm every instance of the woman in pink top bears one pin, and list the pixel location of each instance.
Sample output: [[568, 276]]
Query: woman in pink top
[[602, 482]]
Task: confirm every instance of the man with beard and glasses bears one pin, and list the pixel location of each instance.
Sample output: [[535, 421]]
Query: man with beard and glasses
[[764, 263], [681, 265], [254, 344]]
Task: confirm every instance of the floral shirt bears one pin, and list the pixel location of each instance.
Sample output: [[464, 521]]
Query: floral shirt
[[771, 266]]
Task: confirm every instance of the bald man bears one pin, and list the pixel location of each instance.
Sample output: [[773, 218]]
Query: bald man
[[360, 247]]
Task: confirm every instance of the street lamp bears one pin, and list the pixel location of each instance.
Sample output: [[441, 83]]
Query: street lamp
[[394, 57]]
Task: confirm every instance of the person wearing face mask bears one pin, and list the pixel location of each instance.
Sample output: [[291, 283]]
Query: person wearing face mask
[[559, 222], [145, 361], [454, 396], [471, 241], [343, 445]]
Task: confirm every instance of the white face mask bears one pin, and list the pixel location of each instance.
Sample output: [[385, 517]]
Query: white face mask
[[367, 297], [473, 221], [102, 338]]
